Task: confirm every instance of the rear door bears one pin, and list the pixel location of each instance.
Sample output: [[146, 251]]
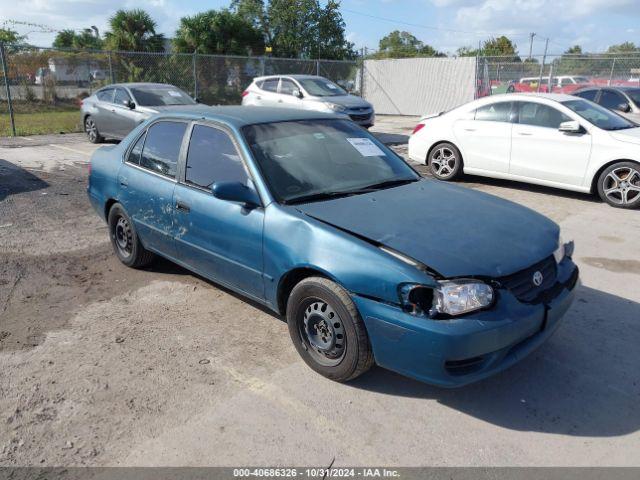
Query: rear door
[[485, 137], [221, 240], [147, 179], [540, 151]]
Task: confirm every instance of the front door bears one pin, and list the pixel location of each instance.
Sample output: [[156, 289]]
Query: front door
[[540, 151], [219, 239], [125, 118]]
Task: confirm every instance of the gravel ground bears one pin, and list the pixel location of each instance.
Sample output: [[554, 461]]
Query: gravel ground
[[104, 365]]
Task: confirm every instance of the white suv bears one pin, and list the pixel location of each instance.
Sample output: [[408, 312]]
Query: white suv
[[308, 92]]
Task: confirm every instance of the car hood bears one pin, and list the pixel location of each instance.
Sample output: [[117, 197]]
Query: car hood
[[453, 230], [349, 101], [630, 135]]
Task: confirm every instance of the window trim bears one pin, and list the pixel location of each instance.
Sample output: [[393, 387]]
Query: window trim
[[182, 168], [144, 131]]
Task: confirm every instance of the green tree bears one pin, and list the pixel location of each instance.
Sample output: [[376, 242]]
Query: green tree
[[625, 47], [221, 32], [492, 47], [399, 44], [575, 50], [87, 39], [298, 28], [133, 30], [7, 35], [64, 38]]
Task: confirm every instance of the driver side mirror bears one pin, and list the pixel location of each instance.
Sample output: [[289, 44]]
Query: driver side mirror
[[624, 107], [572, 126], [297, 93], [236, 192], [130, 104]]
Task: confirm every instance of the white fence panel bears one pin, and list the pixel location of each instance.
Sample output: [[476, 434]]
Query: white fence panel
[[419, 86]]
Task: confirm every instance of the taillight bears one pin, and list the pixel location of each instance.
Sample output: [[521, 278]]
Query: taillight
[[419, 127], [245, 93]]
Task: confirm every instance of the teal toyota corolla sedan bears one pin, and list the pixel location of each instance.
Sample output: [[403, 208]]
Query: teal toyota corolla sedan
[[310, 215]]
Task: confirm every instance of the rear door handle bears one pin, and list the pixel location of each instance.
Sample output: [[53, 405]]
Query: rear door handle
[[182, 207], [470, 129], [525, 134], [279, 101]]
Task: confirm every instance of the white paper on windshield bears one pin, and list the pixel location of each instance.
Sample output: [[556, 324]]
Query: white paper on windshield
[[173, 93], [331, 86], [366, 147]]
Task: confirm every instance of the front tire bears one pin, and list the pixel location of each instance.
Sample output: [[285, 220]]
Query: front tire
[[327, 330], [619, 185], [445, 161], [91, 129], [124, 239]]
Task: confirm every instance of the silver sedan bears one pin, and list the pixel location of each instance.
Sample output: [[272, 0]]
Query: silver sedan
[[115, 110]]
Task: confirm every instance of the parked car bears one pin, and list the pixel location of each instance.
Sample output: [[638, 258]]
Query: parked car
[[115, 110], [560, 84], [549, 139], [310, 215], [624, 101], [308, 92]]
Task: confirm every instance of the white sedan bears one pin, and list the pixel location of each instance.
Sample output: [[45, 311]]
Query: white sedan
[[549, 139]]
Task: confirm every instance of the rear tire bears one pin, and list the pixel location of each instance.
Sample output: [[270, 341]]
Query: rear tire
[[327, 329], [91, 129], [125, 241], [619, 185], [445, 161]]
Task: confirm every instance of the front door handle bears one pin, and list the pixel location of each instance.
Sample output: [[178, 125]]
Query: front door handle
[[525, 134], [279, 101], [123, 181], [470, 129], [182, 207]]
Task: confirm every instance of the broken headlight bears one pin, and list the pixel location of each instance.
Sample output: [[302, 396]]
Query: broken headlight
[[449, 297]]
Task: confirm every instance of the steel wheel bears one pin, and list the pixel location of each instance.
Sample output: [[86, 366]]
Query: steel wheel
[[443, 162], [621, 186], [322, 331], [124, 237]]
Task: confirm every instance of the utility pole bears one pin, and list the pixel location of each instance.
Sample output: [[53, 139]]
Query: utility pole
[[5, 73], [544, 59], [531, 35]]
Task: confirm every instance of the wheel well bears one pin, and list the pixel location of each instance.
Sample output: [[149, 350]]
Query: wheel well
[[107, 207], [594, 180], [434, 146], [290, 280]]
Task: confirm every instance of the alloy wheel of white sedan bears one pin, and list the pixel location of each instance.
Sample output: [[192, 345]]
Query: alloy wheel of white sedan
[[619, 185], [445, 161]]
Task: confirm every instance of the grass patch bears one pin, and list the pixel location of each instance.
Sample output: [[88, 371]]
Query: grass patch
[[37, 118]]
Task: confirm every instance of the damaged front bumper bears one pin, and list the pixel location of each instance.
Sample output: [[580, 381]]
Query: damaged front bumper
[[459, 351]]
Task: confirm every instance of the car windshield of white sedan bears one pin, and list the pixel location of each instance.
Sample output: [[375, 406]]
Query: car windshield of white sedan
[[599, 116], [321, 87], [159, 96], [314, 160]]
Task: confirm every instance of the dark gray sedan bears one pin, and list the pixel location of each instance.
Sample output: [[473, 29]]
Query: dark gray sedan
[[115, 110]]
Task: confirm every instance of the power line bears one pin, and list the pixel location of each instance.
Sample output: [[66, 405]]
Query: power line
[[429, 27]]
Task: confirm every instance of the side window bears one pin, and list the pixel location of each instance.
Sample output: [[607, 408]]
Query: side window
[[136, 152], [540, 115], [212, 157], [611, 100], [162, 147], [105, 95], [122, 97], [287, 87], [270, 85], [496, 112], [587, 95]]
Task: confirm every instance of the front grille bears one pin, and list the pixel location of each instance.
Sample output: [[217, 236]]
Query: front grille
[[359, 117], [521, 283]]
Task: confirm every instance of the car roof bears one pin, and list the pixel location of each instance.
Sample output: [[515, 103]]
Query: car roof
[[139, 84], [239, 116], [294, 76], [556, 97]]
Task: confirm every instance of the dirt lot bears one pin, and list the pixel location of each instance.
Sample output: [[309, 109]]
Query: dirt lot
[[104, 365]]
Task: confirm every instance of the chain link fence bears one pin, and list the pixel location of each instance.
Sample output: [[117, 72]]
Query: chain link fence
[[43, 87], [556, 73]]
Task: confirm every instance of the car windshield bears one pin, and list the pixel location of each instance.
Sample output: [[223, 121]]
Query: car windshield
[[154, 96], [599, 116], [321, 87], [313, 160], [634, 95]]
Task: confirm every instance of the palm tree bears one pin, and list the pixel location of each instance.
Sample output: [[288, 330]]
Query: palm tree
[[133, 30]]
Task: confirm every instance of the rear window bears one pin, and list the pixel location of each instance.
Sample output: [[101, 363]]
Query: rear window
[[162, 147], [157, 96], [495, 112]]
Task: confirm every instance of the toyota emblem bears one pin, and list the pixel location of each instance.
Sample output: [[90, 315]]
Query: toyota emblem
[[537, 278]]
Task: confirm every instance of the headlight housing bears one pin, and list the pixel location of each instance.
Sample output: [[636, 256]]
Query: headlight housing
[[336, 107], [449, 297], [563, 250]]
